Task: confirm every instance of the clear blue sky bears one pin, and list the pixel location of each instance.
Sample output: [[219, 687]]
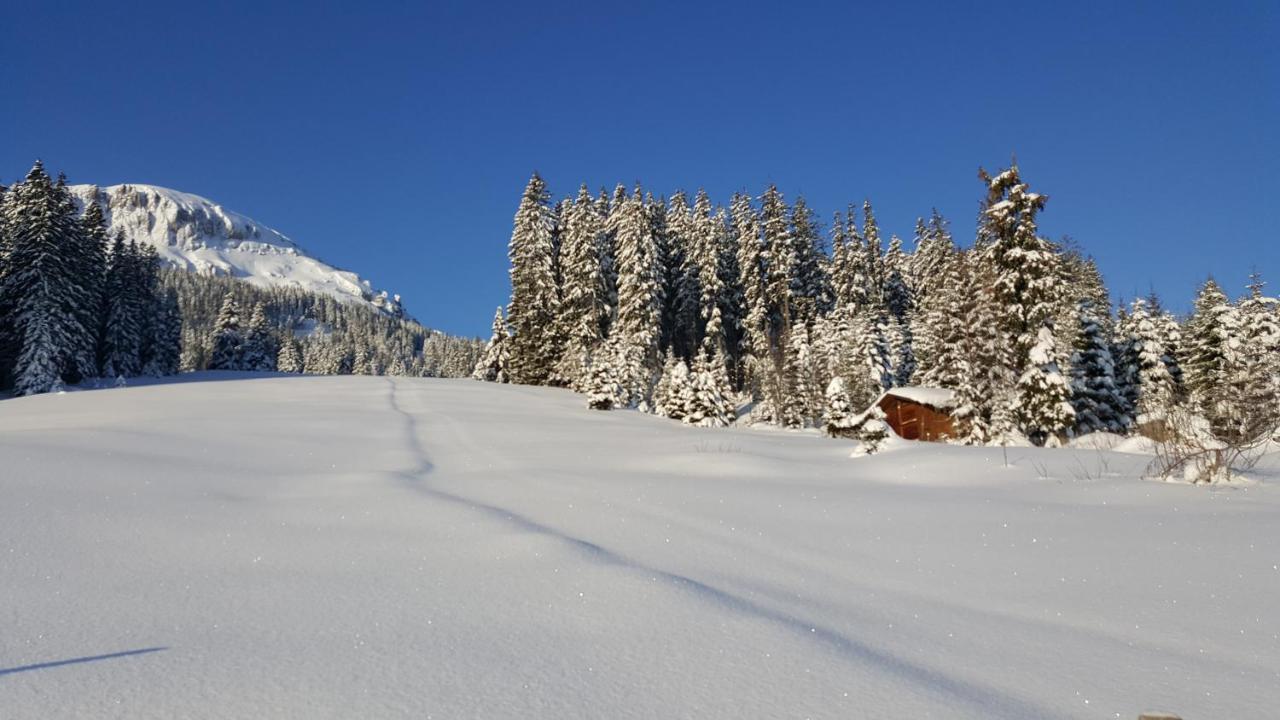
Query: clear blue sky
[[395, 141]]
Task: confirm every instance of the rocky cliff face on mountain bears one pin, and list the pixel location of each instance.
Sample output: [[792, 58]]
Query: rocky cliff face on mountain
[[196, 234]]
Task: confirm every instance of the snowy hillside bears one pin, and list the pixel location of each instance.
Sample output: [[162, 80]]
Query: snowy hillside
[[389, 547], [196, 234]]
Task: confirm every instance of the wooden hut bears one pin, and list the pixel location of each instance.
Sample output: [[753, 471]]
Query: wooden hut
[[919, 413]]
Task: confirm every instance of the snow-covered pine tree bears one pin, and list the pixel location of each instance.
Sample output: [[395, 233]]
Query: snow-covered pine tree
[[584, 305], [1144, 381], [985, 387], [227, 338], [640, 297], [604, 389], [492, 366], [41, 287], [756, 352], [871, 271], [1212, 344], [704, 260], [289, 359], [122, 326], [780, 265], [93, 259], [927, 263], [939, 324], [838, 412], [1043, 406], [810, 279], [1097, 401], [711, 401], [673, 394], [677, 248], [1024, 265], [1258, 374], [166, 340], [797, 402], [258, 351], [867, 364], [534, 296], [142, 299]]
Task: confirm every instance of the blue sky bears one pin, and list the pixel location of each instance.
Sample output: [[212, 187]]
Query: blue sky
[[395, 141]]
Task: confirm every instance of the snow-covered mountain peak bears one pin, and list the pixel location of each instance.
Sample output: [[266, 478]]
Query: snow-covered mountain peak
[[196, 234]]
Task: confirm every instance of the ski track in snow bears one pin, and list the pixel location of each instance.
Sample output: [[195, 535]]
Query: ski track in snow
[[390, 547], [994, 703]]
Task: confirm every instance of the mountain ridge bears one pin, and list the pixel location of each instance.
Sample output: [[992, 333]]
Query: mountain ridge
[[193, 233]]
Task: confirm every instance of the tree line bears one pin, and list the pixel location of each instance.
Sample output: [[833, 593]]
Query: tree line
[[75, 304], [691, 310], [78, 303]]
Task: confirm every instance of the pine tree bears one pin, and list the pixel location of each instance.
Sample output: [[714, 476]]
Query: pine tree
[[289, 360], [534, 302], [122, 332], [710, 403], [1212, 343], [756, 352], [41, 287], [672, 394], [1024, 266], [93, 256], [1144, 381], [838, 413], [1258, 371], [258, 351], [796, 407], [1094, 394], [604, 389], [584, 308], [1043, 409], [226, 339], [492, 366], [166, 340], [639, 295], [678, 236], [780, 265]]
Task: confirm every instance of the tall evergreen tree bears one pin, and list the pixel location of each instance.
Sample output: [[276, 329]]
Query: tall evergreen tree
[[492, 366], [1043, 409], [534, 301], [1095, 396], [584, 309], [41, 287], [227, 339], [1024, 266]]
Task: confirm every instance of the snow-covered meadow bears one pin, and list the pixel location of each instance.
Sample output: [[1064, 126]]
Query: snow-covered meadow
[[390, 547]]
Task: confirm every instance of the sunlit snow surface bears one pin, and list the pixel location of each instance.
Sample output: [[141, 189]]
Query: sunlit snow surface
[[371, 548]]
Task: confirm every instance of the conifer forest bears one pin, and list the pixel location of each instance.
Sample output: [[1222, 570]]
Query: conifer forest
[[753, 312]]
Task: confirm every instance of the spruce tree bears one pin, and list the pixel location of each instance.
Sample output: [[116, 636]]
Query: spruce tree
[[755, 353], [41, 287], [93, 236], [492, 366], [227, 338], [838, 410], [1023, 265], [584, 308], [289, 359], [534, 302], [1212, 343], [1042, 408], [639, 296], [258, 351], [122, 331], [1095, 396]]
